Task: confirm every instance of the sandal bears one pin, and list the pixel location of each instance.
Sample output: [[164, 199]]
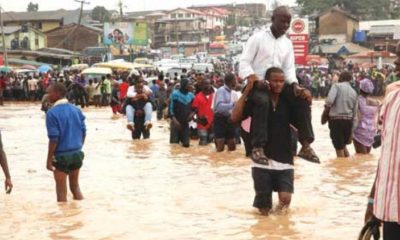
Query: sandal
[[258, 156], [308, 154]]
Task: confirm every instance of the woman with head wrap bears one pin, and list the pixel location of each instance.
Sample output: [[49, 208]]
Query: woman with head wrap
[[363, 135]]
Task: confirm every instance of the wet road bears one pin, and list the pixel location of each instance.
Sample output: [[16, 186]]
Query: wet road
[[151, 190]]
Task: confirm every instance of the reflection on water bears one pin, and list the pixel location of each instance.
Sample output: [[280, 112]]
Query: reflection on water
[[151, 190]]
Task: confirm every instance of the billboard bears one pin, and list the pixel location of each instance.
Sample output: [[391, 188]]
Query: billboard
[[118, 33], [299, 35], [140, 34]]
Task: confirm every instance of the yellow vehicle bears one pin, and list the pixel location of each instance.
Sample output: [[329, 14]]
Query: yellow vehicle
[[143, 61]]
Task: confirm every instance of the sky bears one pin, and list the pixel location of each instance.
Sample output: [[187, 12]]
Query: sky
[[129, 5]]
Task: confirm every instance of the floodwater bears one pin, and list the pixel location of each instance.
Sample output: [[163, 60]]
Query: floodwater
[[152, 190]]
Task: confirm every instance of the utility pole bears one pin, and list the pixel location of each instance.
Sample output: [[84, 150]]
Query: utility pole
[[3, 38], [81, 13]]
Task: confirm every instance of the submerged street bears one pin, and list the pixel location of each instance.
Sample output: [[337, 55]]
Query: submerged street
[[149, 189]]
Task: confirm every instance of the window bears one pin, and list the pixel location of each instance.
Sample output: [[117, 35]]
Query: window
[[173, 15], [180, 15], [36, 39], [187, 15], [39, 25]]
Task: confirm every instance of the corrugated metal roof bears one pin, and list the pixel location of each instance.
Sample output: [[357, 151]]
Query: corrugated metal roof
[[382, 30], [347, 48], [68, 16], [11, 29]]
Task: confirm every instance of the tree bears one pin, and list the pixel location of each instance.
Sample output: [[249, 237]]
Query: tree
[[364, 9], [101, 14], [33, 7]]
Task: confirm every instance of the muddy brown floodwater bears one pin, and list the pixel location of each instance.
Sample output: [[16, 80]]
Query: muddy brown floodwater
[[152, 190]]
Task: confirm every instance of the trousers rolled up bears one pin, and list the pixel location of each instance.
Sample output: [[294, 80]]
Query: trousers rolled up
[[300, 114], [130, 113]]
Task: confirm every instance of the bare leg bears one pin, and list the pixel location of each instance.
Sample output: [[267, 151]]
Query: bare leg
[[346, 152], [368, 150], [231, 144], [74, 185], [220, 144], [264, 211], [340, 153], [61, 185], [360, 148], [284, 200]]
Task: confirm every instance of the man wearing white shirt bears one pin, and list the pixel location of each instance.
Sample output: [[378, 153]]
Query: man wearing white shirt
[[148, 108], [266, 49]]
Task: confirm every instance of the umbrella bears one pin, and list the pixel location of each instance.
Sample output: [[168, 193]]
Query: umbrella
[[5, 69], [97, 71], [29, 67], [44, 68]]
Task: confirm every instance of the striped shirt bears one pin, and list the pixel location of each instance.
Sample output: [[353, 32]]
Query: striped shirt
[[387, 186]]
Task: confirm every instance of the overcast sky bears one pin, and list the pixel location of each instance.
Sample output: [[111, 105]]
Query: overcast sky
[[130, 5]]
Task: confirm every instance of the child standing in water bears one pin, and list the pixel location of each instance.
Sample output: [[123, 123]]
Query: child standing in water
[[66, 131]]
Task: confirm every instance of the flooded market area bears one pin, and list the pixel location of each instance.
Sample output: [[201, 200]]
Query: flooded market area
[[149, 189]]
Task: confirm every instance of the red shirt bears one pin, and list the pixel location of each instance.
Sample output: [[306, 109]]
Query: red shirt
[[203, 104], [2, 83], [123, 89]]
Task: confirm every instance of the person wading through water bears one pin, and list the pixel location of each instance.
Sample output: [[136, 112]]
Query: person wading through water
[[266, 49]]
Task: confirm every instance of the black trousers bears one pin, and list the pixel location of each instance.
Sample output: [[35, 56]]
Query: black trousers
[[300, 114], [391, 231]]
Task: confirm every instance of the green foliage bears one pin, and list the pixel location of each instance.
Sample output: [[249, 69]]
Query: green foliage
[[101, 14], [32, 7], [363, 9]]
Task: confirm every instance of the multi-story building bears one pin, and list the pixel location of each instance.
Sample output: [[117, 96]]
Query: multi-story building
[[183, 30]]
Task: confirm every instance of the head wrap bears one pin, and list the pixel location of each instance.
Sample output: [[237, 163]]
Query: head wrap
[[366, 86]]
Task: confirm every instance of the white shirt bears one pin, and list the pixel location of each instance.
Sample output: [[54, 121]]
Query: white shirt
[[32, 84], [264, 51], [273, 165], [132, 93]]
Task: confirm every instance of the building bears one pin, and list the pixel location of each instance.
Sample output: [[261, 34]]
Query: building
[[44, 20], [246, 14], [27, 38], [74, 37], [336, 24], [53, 56], [381, 35], [179, 31], [183, 30]]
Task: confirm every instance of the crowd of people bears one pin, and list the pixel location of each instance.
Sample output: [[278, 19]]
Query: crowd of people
[[266, 102]]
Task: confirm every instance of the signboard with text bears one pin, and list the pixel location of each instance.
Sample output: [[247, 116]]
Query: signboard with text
[[299, 35]]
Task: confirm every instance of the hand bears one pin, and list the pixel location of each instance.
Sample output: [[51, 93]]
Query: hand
[[302, 93], [176, 123], [202, 120], [369, 213], [250, 83], [50, 166], [8, 185], [191, 117]]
